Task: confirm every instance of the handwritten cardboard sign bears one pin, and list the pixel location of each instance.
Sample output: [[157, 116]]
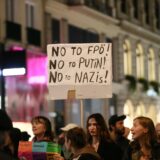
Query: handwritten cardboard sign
[[77, 66]]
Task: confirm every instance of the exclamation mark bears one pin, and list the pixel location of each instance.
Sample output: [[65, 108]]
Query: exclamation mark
[[108, 47], [106, 77], [104, 62]]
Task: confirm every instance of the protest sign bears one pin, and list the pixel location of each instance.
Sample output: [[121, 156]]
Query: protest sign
[[85, 69], [25, 150], [38, 150]]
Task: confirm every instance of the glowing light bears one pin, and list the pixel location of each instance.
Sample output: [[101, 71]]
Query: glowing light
[[37, 70], [16, 48], [37, 79], [13, 71]]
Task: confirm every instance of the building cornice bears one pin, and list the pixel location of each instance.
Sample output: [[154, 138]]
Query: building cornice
[[140, 31], [95, 14]]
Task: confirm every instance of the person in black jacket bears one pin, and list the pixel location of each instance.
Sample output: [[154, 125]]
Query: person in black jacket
[[99, 138], [5, 139], [117, 130]]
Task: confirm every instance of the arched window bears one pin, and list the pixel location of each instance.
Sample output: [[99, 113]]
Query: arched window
[[140, 61], [151, 65], [127, 58]]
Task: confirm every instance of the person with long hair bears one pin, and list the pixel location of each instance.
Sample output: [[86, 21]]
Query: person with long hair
[[144, 145], [75, 141], [41, 127], [99, 138]]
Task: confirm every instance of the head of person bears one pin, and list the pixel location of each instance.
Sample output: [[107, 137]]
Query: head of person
[[15, 135], [25, 136], [143, 130], [116, 124], [75, 139], [96, 126], [41, 127], [5, 129], [158, 131], [61, 137]]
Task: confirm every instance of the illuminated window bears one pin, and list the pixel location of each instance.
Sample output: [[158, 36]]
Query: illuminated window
[[151, 65], [140, 61], [127, 58]]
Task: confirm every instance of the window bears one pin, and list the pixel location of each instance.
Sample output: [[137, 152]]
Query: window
[[79, 35], [140, 61], [135, 8], [123, 6], [146, 9], [157, 12], [55, 31], [30, 14], [151, 65], [127, 58], [10, 10]]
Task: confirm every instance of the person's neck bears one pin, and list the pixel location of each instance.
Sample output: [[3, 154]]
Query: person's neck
[[113, 135], [76, 150], [39, 137], [95, 140]]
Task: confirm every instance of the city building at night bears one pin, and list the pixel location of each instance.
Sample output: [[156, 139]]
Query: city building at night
[[133, 28]]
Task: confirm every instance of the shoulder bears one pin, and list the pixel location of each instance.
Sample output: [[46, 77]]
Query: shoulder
[[4, 156], [156, 150], [88, 156]]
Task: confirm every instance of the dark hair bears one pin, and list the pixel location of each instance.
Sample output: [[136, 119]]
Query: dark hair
[[47, 123], [101, 127], [77, 137], [5, 121], [25, 136], [15, 135]]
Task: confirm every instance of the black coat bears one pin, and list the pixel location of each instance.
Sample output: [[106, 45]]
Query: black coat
[[88, 156], [109, 151], [4, 156]]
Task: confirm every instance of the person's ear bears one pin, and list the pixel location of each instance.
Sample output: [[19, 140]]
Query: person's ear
[[145, 130]]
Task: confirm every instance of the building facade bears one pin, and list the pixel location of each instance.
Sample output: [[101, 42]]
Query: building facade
[[133, 28]]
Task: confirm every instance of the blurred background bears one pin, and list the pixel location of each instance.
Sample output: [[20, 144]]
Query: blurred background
[[27, 26]]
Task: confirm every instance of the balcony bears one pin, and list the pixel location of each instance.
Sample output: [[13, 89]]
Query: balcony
[[33, 36], [13, 31], [98, 5]]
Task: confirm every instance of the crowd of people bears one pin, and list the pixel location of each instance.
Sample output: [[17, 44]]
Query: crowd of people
[[100, 140]]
